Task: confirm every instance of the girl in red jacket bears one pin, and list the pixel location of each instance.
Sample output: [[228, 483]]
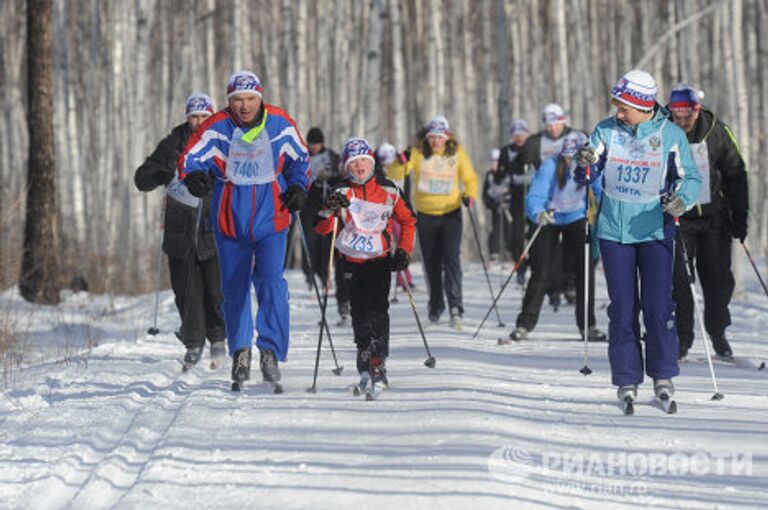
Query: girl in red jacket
[[365, 205]]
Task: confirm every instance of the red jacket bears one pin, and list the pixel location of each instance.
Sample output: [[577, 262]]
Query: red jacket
[[375, 204]]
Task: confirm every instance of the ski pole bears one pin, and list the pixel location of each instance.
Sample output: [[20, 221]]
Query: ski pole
[[509, 278], [154, 330], [324, 307], [397, 283], [324, 324], [705, 336], [587, 262], [482, 260], [430, 361], [752, 261]]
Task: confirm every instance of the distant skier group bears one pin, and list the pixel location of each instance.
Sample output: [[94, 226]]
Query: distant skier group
[[657, 189]]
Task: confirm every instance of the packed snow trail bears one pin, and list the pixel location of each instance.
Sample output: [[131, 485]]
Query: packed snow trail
[[121, 426]]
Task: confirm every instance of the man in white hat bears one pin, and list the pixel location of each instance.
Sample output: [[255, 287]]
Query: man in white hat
[[254, 161]]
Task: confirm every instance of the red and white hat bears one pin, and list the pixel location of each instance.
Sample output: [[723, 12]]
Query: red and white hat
[[637, 89], [199, 103], [438, 126], [552, 114], [243, 82], [684, 97]]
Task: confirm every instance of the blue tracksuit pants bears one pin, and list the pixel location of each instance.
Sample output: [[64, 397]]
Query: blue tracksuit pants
[[258, 262], [653, 262]]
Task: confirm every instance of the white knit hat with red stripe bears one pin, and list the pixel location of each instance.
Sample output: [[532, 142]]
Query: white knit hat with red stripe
[[637, 89], [243, 82], [199, 104]]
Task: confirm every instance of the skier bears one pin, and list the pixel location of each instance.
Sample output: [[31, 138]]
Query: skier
[[633, 157], [519, 181], [253, 159], [720, 214], [192, 260], [324, 174], [391, 165], [539, 147], [557, 204], [496, 198], [366, 206], [440, 166]]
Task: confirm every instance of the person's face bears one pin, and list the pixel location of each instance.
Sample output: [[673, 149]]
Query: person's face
[[494, 165], [686, 118], [555, 129], [520, 139], [436, 142], [196, 119], [315, 148], [360, 168], [245, 106], [630, 116]]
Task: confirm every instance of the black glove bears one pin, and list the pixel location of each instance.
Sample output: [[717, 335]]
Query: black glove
[[586, 156], [739, 225], [399, 260], [467, 200], [162, 177], [200, 184], [295, 198], [336, 201], [673, 205]]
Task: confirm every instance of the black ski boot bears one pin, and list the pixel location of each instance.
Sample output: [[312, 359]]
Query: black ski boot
[[269, 371], [241, 367], [192, 356], [722, 347]]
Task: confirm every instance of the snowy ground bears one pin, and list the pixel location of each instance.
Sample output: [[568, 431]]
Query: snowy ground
[[118, 425]]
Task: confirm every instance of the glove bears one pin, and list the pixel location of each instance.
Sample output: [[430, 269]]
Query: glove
[[467, 200], [336, 201], [586, 156], [400, 260], [739, 225], [295, 198], [404, 156], [580, 175], [673, 205], [545, 218], [162, 177], [199, 184]]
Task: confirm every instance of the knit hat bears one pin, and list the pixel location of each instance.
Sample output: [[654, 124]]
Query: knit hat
[[438, 126], [518, 127], [355, 148], [315, 135], [552, 114], [637, 89], [386, 153], [494, 156], [572, 142], [684, 97], [243, 82], [199, 103]]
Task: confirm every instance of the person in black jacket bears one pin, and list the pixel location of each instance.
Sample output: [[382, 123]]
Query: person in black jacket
[[192, 257], [520, 178], [707, 230]]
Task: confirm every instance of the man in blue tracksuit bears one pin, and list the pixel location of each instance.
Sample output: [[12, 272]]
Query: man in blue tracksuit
[[642, 168], [253, 159], [558, 206]]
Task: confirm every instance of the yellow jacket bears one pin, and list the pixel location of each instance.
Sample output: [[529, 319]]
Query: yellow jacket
[[436, 181]]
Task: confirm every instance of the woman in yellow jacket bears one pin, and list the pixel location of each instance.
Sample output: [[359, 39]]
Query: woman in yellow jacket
[[443, 179]]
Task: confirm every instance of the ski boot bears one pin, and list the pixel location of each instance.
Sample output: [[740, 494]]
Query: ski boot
[[570, 296], [343, 321], [363, 358], [554, 301], [218, 352], [269, 371], [664, 390], [595, 335], [192, 356], [456, 319], [722, 347], [378, 375], [241, 367], [627, 395]]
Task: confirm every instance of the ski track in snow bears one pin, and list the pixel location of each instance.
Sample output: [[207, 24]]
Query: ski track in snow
[[122, 427]]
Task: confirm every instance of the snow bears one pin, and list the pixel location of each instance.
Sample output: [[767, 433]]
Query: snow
[[99, 415]]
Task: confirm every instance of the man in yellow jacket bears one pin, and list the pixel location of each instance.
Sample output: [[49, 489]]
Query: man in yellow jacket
[[443, 179]]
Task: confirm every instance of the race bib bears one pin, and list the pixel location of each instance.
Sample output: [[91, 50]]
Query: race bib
[[634, 170], [701, 157], [361, 237], [179, 192], [250, 163], [438, 175]]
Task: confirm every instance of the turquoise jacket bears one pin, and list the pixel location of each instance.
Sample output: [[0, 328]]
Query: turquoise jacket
[[544, 189], [631, 222]]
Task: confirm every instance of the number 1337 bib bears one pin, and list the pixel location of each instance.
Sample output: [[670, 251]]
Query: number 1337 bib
[[634, 171]]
